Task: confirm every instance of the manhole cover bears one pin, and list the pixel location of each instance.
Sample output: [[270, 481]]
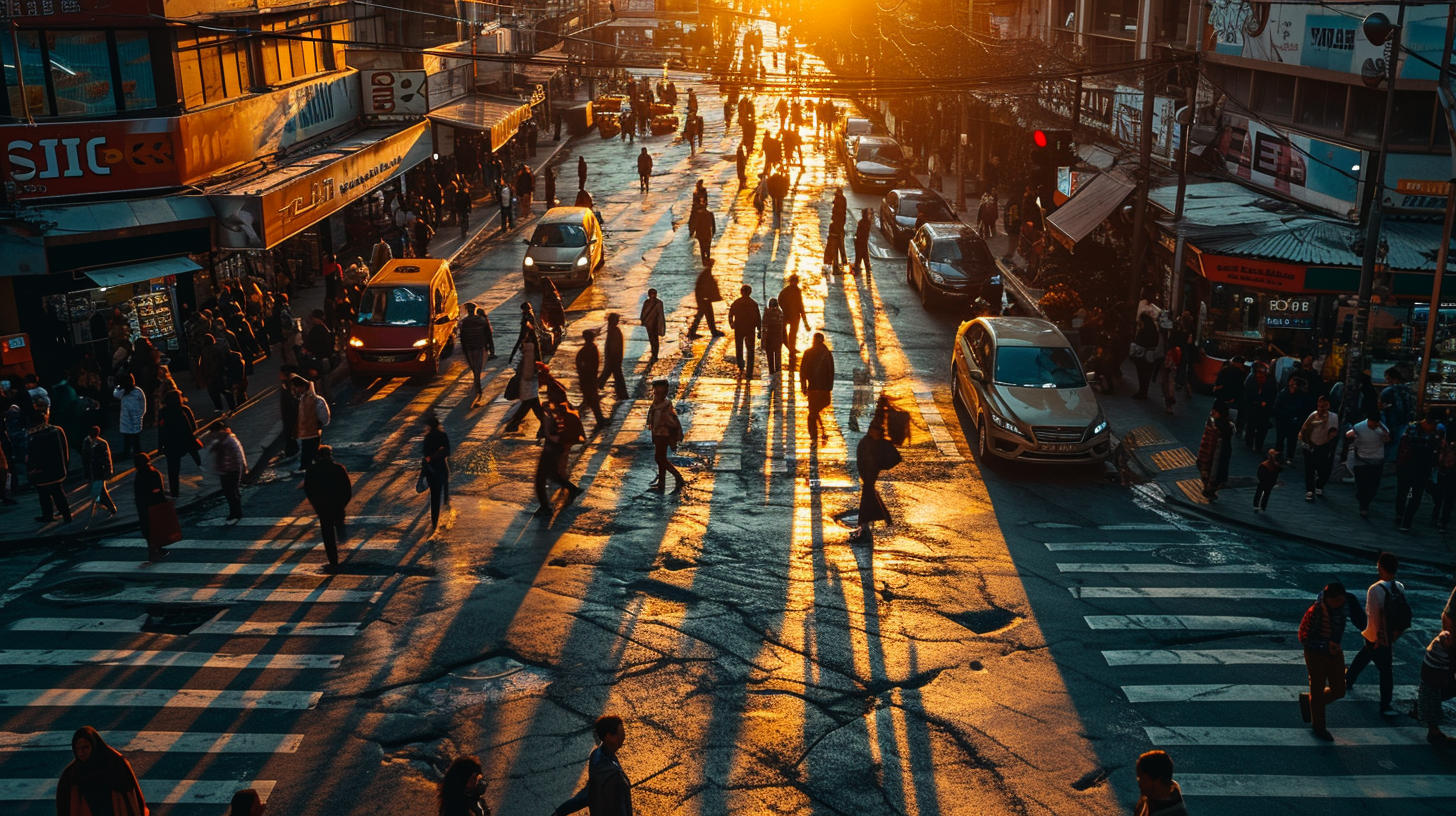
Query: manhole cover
[[84, 589], [1207, 556], [179, 620]]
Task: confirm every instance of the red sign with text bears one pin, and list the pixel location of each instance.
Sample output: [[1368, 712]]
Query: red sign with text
[[1254, 273]]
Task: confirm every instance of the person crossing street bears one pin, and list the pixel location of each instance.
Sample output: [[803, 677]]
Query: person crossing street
[[744, 320], [588, 366], [613, 357], [329, 490], [644, 170]]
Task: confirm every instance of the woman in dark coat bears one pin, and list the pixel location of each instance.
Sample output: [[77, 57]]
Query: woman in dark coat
[[875, 454], [329, 490], [436, 467], [147, 484], [177, 436], [1214, 451], [99, 782], [462, 790]]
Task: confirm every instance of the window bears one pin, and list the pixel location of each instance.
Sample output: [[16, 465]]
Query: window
[[77, 73], [1118, 18], [32, 65], [134, 57], [1026, 367], [80, 63], [1410, 123], [288, 60], [1322, 105], [211, 68], [1274, 95], [559, 235], [395, 306]]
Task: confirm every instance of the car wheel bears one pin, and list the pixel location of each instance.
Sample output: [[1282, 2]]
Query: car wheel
[[909, 273], [983, 443], [956, 399], [924, 294]]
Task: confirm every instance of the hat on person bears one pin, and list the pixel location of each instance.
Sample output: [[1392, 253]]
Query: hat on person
[[298, 380]]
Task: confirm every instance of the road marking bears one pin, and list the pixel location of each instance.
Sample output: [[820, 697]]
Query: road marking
[[1219, 569], [24, 584], [214, 568], [1228, 593], [1123, 546], [231, 596], [155, 791], [1204, 657], [1218, 623], [1236, 693], [1281, 737], [190, 660], [159, 742], [1269, 786], [303, 544], [935, 423], [290, 521], [158, 698], [215, 627], [1062, 525]]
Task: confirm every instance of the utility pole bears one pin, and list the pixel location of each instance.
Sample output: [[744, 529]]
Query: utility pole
[[961, 152], [1144, 186], [1376, 26], [1433, 320]]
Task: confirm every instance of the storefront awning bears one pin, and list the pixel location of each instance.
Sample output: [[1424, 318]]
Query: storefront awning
[[1090, 206], [144, 271], [262, 211], [80, 223], [498, 117]]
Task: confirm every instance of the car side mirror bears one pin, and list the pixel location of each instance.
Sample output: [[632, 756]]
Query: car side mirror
[[978, 375], [442, 320]]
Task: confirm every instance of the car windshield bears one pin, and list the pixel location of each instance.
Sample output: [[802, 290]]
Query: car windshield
[[882, 153], [559, 235], [394, 306], [966, 252], [1027, 367], [935, 210]]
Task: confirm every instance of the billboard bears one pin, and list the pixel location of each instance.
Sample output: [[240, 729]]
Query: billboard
[[1323, 37], [1301, 167], [394, 93]]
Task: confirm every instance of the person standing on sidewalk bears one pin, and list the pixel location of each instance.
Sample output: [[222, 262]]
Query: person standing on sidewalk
[[525, 189], [133, 409], [1159, 794], [1144, 353], [1320, 632], [701, 225], [816, 377], [329, 490], [97, 455], [644, 170], [563, 430], [588, 366], [507, 206], [1258, 406], [613, 357], [462, 203], [1317, 438], [1367, 459], [771, 332], [705, 294], [1267, 477], [654, 321], [862, 241], [1214, 451], [230, 463], [1420, 448], [1388, 615], [178, 438], [581, 172], [743, 319], [667, 432], [435, 467], [313, 417], [47, 460], [475, 340], [1290, 408]]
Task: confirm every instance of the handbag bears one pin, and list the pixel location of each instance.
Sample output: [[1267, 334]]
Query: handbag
[[421, 484], [513, 387], [163, 528]]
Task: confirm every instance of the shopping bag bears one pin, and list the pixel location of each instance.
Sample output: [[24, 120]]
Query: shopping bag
[[163, 526]]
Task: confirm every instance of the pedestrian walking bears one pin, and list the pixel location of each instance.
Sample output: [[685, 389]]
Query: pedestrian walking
[[1290, 409], [1159, 795], [744, 320], [653, 318], [177, 436], [329, 490], [1367, 459], [1171, 365], [435, 467], [462, 789], [525, 189], [423, 232], [333, 274], [702, 226], [644, 170], [705, 294], [1438, 684], [862, 241], [1144, 354], [1214, 451], [1257, 411], [98, 781], [1267, 478], [816, 377], [549, 187], [1317, 439], [613, 356], [48, 459], [96, 454], [1388, 616], [1320, 632], [667, 433], [553, 314], [313, 417], [525, 382], [741, 162], [791, 300], [588, 367], [607, 791], [287, 411], [876, 453], [462, 203], [771, 333], [581, 172], [133, 409], [476, 340], [563, 430], [778, 189], [230, 463], [1419, 451], [507, 207]]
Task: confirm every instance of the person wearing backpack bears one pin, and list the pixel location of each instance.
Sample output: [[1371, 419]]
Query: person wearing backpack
[[1388, 615], [1320, 632]]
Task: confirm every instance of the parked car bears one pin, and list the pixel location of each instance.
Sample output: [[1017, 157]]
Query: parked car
[[900, 212], [848, 128], [1026, 393], [567, 247], [950, 264], [875, 163]]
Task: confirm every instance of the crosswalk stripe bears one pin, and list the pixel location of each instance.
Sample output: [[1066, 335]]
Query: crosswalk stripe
[[1204, 657], [1212, 736], [303, 544], [1219, 623], [1120, 546], [158, 698], [159, 659], [216, 627], [1222, 569], [232, 596], [1236, 693], [1271, 786], [935, 423], [218, 569], [159, 742], [155, 791], [290, 521], [1228, 593], [1144, 526]]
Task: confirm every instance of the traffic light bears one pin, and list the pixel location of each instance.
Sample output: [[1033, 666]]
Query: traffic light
[[1052, 148]]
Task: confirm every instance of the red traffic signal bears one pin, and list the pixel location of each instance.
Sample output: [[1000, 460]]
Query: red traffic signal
[[1039, 137]]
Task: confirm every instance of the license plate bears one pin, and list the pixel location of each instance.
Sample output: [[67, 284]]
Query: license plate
[[1061, 448], [393, 358]]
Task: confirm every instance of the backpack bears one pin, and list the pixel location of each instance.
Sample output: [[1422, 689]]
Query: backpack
[[1396, 612]]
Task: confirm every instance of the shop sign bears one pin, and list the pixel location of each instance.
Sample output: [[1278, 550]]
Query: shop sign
[[90, 157], [263, 221], [1306, 35], [394, 93], [1254, 273], [1417, 182], [1289, 313], [1277, 162]]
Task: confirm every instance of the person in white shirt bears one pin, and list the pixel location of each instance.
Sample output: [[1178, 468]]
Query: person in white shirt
[[1367, 459], [1379, 640]]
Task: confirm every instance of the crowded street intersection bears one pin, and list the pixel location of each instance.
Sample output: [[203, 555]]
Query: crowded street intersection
[[1008, 639]]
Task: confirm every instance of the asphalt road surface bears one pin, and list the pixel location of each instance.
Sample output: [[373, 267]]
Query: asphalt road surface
[[1009, 645]]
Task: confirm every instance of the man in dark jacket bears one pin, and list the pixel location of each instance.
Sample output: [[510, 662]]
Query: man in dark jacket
[[705, 294], [525, 188], [328, 488], [1291, 407], [701, 226], [778, 189], [612, 358], [744, 320], [581, 172], [816, 376], [608, 791], [476, 340], [288, 410], [588, 364], [644, 170], [791, 301], [48, 457], [1228, 386]]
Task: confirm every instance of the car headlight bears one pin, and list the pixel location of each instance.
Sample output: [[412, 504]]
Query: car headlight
[[1099, 426], [530, 261], [422, 343], [356, 342], [1007, 425], [995, 280], [937, 278], [581, 261]]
